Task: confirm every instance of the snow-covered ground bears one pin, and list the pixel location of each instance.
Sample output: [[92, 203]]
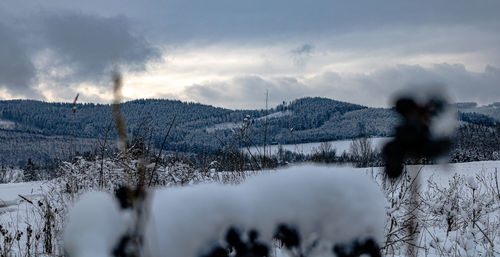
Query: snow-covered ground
[[453, 196], [307, 148], [19, 209], [442, 173], [325, 204], [275, 115], [6, 124], [233, 125], [458, 206], [11, 201]]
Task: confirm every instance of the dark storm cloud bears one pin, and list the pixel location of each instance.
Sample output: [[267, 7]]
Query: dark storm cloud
[[283, 19], [82, 48], [373, 89], [16, 70], [178, 21], [90, 44], [258, 20]]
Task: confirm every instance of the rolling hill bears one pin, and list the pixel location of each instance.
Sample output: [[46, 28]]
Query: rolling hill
[[43, 130]]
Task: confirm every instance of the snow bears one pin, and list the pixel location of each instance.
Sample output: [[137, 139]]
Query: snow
[[442, 173], [459, 205], [445, 124], [10, 199], [95, 226], [186, 217], [224, 126], [6, 124], [16, 213], [307, 148], [275, 115], [233, 125], [12, 175], [336, 205]]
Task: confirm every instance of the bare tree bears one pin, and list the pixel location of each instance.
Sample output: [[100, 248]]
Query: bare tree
[[362, 152], [324, 153]]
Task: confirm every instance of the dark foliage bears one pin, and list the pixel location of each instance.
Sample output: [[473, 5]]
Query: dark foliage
[[357, 248], [477, 118], [476, 143], [217, 252], [127, 247], [250, 248], [412, 137], [288, 236], [238, 247], [30, 171]]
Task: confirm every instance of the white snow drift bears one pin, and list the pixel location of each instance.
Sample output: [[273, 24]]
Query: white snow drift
[[336, 205]]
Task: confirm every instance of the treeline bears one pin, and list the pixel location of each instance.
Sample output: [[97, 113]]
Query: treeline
[[35, 120], [476, 142], [473, 142], [43, 131]]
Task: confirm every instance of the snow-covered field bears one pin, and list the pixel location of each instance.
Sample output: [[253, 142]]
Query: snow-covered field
[[6, 124], [442, 173], [459, 211], [22, 214], [307, 148], [233, 125]]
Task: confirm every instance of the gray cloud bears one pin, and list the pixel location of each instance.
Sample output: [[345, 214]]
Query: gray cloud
[[73, 47], [261, 19], [85, 37], [89, 44], [178, 21], [302, 53], [247, 91], [373, 89], [16, 70], [376, 88]]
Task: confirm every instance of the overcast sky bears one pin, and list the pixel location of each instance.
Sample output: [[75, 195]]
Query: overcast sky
[[229, 52]]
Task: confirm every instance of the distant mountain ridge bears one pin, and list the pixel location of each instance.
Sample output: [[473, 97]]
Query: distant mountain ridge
[[310, 119], [490, 110]]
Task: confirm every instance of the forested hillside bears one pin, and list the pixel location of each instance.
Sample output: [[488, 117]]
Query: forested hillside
[[43, 131], [491, 110]]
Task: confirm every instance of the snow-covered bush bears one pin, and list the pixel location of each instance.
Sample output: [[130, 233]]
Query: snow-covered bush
[[326, 207], [10, 175], [108, 174], [465, 210], [457, 218]]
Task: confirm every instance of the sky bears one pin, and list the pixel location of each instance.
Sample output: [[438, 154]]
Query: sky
[[229, 53]]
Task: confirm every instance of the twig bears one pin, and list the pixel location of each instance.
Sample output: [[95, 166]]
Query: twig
[[486, 236], [26, 199], [265, 131], [496, 183], [120, 122], [161, 149]]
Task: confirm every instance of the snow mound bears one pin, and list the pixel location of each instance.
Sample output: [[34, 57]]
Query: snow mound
[[334, 205], [95, 226]]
